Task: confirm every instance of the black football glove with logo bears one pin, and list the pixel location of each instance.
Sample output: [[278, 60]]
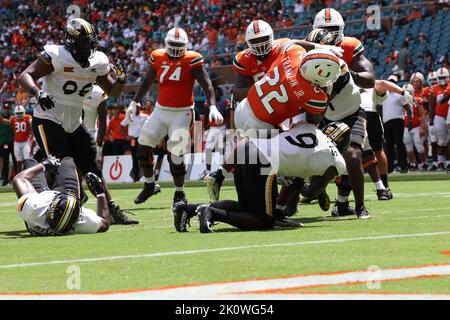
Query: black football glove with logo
[[94, 183], [120, 72], [45, 101], [51, 164]]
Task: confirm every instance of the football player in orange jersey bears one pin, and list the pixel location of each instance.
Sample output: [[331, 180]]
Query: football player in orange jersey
[[293, 83], [176, 70], [438, 115], [361, 69], [414, 131], [21, 124]]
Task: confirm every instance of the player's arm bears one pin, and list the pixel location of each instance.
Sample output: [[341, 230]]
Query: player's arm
[[5, 121], [432, 108], [113, 88], [242, 85], [146, 84], [101, 109], [362, 72], [95, 185], [203, 79], [38, 69], [423, 124], [408, 109], [444, 98], [317, 184], [22, 181], [382, 86]]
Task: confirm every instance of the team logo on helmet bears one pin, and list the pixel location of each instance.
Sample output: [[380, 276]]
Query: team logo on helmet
[[339, 134]]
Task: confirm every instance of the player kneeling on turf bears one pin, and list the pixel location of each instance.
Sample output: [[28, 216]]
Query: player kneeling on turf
[[56, 209], [304, 151]]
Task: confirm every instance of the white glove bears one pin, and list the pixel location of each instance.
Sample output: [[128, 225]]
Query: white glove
[[214, 115], [337, 51], [132, 109], [408, 97]]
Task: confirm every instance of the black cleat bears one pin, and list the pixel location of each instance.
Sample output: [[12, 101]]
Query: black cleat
[[149, 190], [383, 194], [118, 216], [204, 217], [179, 196], [181, 216], [342, 209], [324, 201], [214, 182], [361, 212], [391, 196]]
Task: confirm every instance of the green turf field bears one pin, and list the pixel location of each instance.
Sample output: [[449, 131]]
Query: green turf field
[[411, 230]]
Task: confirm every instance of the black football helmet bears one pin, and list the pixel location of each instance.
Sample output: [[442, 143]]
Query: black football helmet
[[80, 40], [339, 134], [321, 36], [63, 212]]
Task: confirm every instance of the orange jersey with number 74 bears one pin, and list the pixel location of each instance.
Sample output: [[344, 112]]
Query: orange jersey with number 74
[[175, 79], [283, 92]]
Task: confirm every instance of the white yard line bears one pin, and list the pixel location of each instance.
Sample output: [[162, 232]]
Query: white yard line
[[190, 252], [267, 288]]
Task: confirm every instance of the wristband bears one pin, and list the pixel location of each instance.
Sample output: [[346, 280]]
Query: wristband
[[101, 195], [34, 90]]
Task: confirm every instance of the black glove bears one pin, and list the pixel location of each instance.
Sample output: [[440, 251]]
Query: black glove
[[120, 72], [45, 101], [94, 183], [51, 164]]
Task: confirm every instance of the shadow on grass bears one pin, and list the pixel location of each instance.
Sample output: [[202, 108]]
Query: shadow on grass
[[15, 234]]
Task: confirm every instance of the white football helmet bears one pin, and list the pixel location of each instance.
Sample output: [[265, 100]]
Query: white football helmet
[[332, 21], [176, 41], [408, 87], [442, 76], [19, 112], [417, 75], [320, 67], [259, 29], [432, 78]]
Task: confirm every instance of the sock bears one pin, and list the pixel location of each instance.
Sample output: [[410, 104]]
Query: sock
[[149, 179], [441, 158], [179, 188], [342, 199], [379, 185], [222, 170], [384, 178], [156, 174], [280, 207]]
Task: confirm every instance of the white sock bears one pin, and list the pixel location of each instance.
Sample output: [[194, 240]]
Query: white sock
[[280, 207], [222, 170], [179, 188], [342, 199], [149, 179], [379, 185], [441, 158]]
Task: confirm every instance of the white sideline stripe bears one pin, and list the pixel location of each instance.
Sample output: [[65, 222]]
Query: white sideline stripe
[[247, 289], [188, 252], [424, 217]]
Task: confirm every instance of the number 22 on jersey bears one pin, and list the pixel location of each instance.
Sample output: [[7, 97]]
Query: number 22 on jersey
[[268, 89]]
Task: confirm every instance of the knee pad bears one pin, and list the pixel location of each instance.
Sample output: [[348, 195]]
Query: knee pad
[[369, 159], [145, 156], [343, 183], [177, 168]]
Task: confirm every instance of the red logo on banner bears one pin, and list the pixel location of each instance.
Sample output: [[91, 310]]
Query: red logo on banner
[[116, 170]]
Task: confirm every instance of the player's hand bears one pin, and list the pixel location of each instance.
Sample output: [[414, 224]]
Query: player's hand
[[51, 164], [337, 51], [214, 115], [120, 72], [94, 183], [45, 101], [132, 109], [408, 97]]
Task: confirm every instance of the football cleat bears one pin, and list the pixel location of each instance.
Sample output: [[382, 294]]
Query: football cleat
[[383, 194], [214, 182], [361, 212], [204, 217], [149, 190], [324, 201], [181, 216], [391, 196], [342, 209], [179, 196], [118, 216]]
